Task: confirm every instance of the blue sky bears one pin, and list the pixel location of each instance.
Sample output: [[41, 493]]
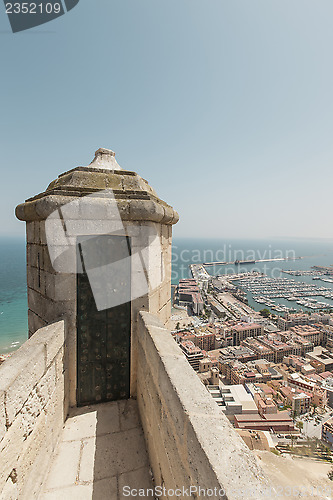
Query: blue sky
[[225, 107]]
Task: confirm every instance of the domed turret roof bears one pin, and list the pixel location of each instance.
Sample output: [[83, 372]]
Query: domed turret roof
[[135, 198]]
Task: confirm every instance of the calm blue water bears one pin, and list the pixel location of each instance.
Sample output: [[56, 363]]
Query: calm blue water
[[315, 252], [187, 251], [13, 294], [13, 300]]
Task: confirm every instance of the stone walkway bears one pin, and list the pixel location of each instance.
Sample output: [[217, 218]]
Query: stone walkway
[[102, 449]]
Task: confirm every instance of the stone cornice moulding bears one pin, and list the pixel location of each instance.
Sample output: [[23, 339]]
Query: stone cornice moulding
[[136, 200]]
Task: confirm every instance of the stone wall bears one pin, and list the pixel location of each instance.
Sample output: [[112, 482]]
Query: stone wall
[[52, 295], [190, 441], [32, 411]]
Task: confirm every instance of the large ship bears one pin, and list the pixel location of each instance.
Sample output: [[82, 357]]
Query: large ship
[[238, 262]]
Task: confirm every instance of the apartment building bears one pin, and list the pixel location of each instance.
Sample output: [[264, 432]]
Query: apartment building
[[244, 330], [192, 352]]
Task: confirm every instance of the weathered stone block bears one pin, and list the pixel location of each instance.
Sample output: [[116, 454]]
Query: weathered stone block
[[165, 293], [30, 232], [165, 312], [41, 438], [124, 209], [146, 320], [95, 208], [25, 369], [151, 358], [153, 395], [139, 286], [3, 428], [34, 458], [154, 301], [10, 490], [57, 232], [46, 385], [59, 364], [37, 302], [90, 227], [72, 209], [49, 310], [35, 255], [42, 232], [47, 264], [165, 238], [61, 286], [167, 270], [179, 414], [30, 411], [19, 386], [53, 337], [10, 449], [36, 280], [158, 459], [172, 404], [56, 412], [146, 210], [33, 469], [35, 322], [114, 182], [200, 466], [138, 231]]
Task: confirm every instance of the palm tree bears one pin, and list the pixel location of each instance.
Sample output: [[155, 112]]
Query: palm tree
[[300, 425]]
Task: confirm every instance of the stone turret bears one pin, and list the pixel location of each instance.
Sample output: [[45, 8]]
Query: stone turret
[[98, 240]]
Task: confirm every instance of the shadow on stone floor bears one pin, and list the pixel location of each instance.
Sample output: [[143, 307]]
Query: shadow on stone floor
[[101, 451]]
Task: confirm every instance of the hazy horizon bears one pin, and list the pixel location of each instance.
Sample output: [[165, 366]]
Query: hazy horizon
[[22, 237], [224, 107]]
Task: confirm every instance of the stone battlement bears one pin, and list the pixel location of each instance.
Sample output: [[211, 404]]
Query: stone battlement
[[190, 442], [32, 411]]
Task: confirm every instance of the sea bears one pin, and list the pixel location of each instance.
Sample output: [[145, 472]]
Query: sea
[[13, 294], [185, 251]]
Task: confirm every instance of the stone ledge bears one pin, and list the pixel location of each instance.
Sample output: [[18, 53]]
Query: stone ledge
[[21, 373], [31, 410], [212, 445], [150, 209], [136, 200]]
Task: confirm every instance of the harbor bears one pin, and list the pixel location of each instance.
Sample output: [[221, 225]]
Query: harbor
[[290, 293], [279, 290]]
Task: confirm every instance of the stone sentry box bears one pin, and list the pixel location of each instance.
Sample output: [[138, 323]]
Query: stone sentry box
[[80, 205]]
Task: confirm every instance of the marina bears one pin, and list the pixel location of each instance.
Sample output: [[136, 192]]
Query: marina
[[272, 292], [281, 284]]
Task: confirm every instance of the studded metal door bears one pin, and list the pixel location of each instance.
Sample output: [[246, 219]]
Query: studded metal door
[[103, 328]]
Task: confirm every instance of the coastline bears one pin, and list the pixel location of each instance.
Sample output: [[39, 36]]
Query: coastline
[[13, 299]]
